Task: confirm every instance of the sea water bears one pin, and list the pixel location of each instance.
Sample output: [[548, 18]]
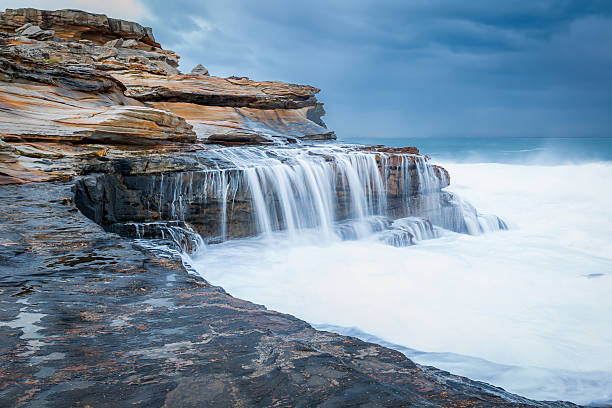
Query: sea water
[[528, 309]]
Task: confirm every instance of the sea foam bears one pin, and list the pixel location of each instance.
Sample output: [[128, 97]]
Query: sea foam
[[526, 309]]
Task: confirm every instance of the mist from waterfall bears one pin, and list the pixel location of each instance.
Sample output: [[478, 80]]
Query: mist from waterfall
[[331, 192], [526, 309]]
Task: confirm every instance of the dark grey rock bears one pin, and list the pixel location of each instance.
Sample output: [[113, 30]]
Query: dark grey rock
[[89, 319], [35, 32], [200, 70]]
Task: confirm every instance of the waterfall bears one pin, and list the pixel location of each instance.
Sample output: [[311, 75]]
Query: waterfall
[[408, 231], [338, 192], [179, 233], [297, 189]]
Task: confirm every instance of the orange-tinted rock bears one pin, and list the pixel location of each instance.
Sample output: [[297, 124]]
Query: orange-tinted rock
[[392, 156], [233, 110], [14, 172], [53, 103], [100, 279], [442, 174], [227, 125], [228, 111], [215, 91]]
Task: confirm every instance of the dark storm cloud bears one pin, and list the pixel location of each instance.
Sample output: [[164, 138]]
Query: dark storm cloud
[[415, 68]]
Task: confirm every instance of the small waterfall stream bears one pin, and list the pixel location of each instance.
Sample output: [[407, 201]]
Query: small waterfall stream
[[335, 191]]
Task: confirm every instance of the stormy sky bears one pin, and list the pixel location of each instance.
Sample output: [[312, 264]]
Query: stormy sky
[[404, 68]]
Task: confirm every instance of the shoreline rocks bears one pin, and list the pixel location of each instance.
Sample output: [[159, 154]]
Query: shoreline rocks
[[89, 318], [229, 111]]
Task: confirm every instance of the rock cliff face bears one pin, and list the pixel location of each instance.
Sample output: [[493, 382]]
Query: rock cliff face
[[74, 25], [97, 123], [223, 110], [132, 203], [45, 102]]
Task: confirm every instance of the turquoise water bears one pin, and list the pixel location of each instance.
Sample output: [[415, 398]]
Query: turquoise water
[[515, 150]]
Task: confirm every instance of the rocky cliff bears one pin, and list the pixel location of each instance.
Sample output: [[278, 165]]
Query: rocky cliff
[[74, 25], [98, 128], [78, 50]]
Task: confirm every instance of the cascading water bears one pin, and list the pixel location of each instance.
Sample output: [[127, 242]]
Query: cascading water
[[297, 189], [319, 187], [519, 291], [180, 233], [333, 192], [408, 231]]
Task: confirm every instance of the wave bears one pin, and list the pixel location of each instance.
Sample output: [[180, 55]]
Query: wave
[[534, 296]]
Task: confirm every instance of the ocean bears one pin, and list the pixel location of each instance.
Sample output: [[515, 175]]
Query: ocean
[[510, 150], [527, 309]]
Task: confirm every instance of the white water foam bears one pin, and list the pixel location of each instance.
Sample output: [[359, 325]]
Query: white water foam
[[293, 189], [535, 298]]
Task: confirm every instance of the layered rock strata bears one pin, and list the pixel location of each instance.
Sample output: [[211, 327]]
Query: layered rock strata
[[215, 197], [232, 110], [45, 102], [74, 25], [89, 319]]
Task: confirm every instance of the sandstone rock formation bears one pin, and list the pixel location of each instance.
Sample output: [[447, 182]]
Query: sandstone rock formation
[[76, 104], [229, 111], [115, 55], [226, 110], [217, 91], [108, 324], [224, 124]]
